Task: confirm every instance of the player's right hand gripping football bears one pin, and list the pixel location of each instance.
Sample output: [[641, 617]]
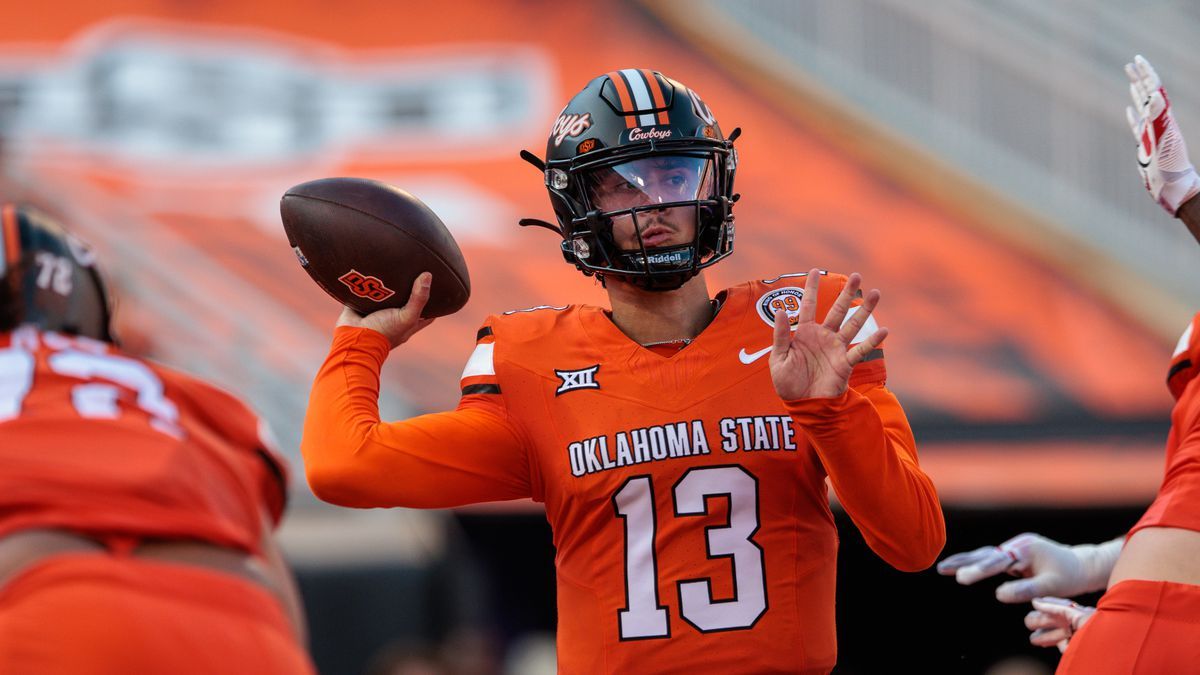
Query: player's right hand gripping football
[[395, 324], [1048, 568], [1161, 152], [814, 360]]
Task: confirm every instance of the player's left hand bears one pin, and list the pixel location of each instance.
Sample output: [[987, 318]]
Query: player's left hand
[[815, 360], [1054, 620]]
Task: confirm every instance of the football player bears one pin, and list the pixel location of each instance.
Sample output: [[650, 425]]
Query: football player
[[1146, 620], [137, 504], [679, 440]]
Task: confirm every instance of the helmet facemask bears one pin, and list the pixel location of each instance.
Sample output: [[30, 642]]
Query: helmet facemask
[[654, 220]]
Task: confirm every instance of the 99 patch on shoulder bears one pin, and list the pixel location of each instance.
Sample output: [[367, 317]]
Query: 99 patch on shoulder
[[786, 299]]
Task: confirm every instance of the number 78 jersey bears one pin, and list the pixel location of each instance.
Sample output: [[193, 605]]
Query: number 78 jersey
[[688, 502]]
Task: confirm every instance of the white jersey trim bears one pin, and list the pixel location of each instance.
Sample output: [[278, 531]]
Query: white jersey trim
[[868, 329], [482, 361], [1184, 341]]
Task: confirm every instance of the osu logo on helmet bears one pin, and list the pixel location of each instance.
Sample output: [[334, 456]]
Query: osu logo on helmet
[[365, 286]]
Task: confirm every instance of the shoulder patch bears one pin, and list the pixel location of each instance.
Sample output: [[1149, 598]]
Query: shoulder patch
[[786, 298]]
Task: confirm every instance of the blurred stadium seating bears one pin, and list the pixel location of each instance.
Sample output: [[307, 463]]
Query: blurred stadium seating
[[970, 158], [1016, 96]]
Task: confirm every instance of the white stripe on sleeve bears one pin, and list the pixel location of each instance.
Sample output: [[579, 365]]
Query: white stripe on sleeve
[[481, 361], [867, 329]]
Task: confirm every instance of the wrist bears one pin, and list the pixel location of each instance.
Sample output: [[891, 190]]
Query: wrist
[[362, 339], [1179, 192], [1189, 213], [1097, 562], [831, 403]]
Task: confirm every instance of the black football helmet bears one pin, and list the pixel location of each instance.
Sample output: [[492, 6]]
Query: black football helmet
[[48, 277], [630, 128]]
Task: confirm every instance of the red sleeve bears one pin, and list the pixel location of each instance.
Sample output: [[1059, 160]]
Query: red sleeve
[[867, 447], [473, 454]]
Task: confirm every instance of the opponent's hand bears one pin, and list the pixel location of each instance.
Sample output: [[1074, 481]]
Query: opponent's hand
[[1054, 620], [1047, 567], [815, 360], [1161, 152], [395, 324]]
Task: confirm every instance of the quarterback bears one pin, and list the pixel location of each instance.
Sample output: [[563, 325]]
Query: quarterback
[[679, 440]]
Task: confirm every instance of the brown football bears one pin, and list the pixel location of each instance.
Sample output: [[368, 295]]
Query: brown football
[[365, 242]]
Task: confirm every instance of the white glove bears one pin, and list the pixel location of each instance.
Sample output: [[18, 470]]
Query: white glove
[[1049, 568], [1054, 620], [1161, 152]]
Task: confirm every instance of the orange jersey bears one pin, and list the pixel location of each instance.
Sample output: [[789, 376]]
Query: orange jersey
[[1178, 500], [688, 502], [102, 443], [86, 614], [1139, 628]]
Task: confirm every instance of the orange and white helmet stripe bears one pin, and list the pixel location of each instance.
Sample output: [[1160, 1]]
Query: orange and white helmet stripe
[[640, 90]]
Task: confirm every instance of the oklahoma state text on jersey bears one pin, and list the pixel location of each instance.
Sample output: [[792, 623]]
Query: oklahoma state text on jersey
[[688, 502], [98, 442]]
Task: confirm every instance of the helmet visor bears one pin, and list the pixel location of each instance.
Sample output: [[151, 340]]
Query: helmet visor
[[648, 181]]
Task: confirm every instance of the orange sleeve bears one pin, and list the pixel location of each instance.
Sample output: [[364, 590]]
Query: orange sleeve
[[474, 454], [868, 449]]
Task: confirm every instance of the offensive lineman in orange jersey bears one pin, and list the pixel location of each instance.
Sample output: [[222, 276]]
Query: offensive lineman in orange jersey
[[679, 441], [1148, 620], [137, 504]]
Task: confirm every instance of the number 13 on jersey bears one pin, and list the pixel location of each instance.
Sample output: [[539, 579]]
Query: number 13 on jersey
[[644, 615]]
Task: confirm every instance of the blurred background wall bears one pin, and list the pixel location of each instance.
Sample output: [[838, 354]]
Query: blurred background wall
[[969, 158]]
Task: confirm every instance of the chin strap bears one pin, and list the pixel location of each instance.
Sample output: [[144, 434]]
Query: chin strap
[[536, 222]]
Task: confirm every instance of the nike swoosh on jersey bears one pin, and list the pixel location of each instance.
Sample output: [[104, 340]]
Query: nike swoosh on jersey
[[748, 358]]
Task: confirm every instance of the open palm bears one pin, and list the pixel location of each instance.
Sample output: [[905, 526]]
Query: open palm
[[815, 359]]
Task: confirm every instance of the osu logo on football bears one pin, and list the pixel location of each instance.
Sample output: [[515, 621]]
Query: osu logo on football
[[366, 287]]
